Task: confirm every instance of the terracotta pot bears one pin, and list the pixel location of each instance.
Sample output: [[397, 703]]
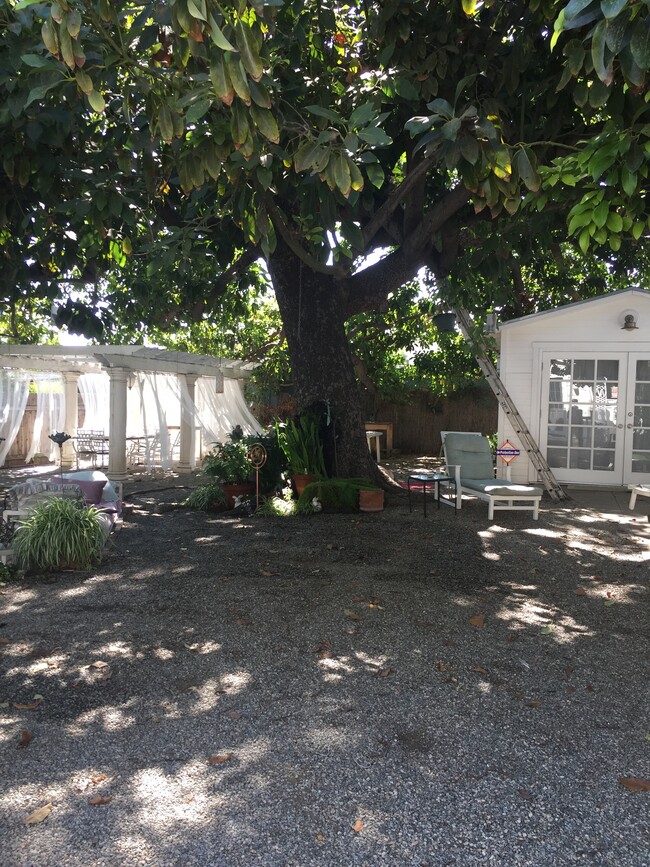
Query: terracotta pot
[[371, 501], [233, 490], [301, 480]]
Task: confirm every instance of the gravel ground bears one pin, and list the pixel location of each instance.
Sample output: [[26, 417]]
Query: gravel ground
[[372, 689]]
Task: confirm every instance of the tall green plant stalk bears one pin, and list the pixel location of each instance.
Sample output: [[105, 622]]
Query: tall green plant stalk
[[301, 443]]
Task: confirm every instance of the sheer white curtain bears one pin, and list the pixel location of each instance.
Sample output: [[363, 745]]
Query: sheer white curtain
[[220, 412], [95, 394], [14, 389], [50, 414]]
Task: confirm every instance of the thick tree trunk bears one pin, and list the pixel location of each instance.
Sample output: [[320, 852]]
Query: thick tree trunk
[[313, 308]]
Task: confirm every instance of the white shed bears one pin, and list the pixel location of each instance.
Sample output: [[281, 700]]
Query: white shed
[[580, 378]]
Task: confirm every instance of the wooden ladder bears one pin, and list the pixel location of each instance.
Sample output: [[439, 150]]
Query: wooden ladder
[[480, 349]]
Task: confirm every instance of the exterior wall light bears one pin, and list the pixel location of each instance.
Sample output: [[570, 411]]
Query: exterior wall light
[[629, 323]]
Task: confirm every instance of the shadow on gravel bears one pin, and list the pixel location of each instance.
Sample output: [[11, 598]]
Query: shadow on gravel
[[340, 690]]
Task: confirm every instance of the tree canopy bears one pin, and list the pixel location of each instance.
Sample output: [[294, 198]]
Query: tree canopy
[[177, 142]]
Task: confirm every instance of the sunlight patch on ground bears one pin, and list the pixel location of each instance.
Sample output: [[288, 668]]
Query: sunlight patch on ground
[[490, 555], [163, 797], [107, 718], [563, 628], [71, 592], [539, 531], [163, 653], [20, 598], [236, 681]]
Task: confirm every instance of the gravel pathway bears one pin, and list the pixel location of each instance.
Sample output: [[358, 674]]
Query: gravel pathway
[[340, 690]]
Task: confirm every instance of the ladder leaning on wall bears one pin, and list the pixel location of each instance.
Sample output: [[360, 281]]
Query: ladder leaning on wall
[[480, 349]]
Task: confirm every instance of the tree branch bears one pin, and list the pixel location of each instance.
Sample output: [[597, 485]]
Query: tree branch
[[395, 198], [220, 286], [292, 242]]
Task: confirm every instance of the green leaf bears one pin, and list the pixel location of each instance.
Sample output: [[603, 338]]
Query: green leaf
[[628, 181], [614, 222], [165, 122], [546, 630], [197, 9], [248, 50], [417, 125], [584, 240], [216, 34], [598, 46], [361, 115], [36, 60], [469, 148], [38, 93], [450, 129], [469, 7], [321, 111], [441, 107], [49, 36], [266, 123], [375, 175], [406, 89], [580, 12], [259, 94], [526, 171], [611, 8], [640, 44], [196, 111], [96, 101], [372, 135], [84, 81], [24, 4], [73, 23]]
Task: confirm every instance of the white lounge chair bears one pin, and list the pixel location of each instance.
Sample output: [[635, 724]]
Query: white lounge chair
[[638, 491], [468, 458]]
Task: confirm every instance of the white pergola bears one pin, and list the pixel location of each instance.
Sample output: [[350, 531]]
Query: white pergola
[[120, 362]]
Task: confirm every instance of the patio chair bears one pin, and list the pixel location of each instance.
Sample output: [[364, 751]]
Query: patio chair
[[468, 458], [84, 445]]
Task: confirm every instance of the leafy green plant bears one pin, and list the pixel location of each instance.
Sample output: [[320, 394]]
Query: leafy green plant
[[59, 534], [228, 462], [333, 495], [302, 446], [206, 497], [272, 473], [276, 507]]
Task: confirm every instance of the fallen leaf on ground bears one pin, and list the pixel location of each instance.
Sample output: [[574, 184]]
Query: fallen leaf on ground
[[100, 800], [533, 703], [525, 794], [441, 666], [384, 672], [320, 837], [24, 740], [233, 714], [449, 643], [609, 602], [546, 630], [590, 688], [357, 827], [39, 814], [358, 598], [5, 640], [352, 615], [243, 622], [98, 779], [477, 620], [323, 646], [580, 591], [635, 784], [375, 603], [220, 758], [31, 706], [98, 664], [480, 670]]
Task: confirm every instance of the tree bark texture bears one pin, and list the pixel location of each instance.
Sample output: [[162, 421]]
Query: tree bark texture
[[313, 310]]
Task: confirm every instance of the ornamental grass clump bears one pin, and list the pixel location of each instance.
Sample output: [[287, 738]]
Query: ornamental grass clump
[[59, 534]]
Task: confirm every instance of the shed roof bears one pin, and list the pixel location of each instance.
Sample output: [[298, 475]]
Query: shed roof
[[93, 359], [627, 295]]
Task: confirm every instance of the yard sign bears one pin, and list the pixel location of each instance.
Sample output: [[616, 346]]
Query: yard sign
[[507, 452]]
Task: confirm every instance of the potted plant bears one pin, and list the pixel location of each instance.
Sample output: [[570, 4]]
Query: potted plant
[[40, 460], [59, 534], [229, 465], [302, 446]]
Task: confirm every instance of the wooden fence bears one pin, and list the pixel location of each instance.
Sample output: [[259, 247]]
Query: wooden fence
[[417, 423]]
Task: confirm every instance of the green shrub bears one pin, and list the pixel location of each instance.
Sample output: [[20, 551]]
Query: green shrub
[[272, 473], [228, 462], [333, 495], [59, 534], [206, 497], [276, 507]]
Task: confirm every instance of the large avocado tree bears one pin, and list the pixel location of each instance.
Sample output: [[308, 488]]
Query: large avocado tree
[[349, 145]]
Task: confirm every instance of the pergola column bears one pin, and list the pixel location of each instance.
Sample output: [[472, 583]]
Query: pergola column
[[70, 383], [117, 423], [188, 429]]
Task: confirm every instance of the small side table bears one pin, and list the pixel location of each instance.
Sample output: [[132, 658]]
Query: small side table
[[431, 479]]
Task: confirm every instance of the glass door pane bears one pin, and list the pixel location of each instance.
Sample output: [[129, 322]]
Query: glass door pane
[[637, 426], [582, 418]]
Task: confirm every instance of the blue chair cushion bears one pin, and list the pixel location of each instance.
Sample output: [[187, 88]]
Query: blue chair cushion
[[472, 453]]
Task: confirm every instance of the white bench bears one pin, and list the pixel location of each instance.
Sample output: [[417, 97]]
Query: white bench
[[638, 491]]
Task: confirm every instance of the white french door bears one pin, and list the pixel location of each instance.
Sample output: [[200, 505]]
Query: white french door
[[595, 418]]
